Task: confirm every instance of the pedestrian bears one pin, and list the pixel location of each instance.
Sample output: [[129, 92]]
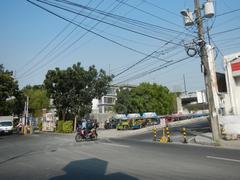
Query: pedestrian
[[19, 127]]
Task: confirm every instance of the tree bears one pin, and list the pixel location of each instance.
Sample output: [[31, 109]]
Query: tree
[[38, 99], [146, 98], [73, 89], [11, 98], [122, 105]]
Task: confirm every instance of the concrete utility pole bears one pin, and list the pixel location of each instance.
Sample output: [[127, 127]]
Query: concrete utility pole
[[209, 81]]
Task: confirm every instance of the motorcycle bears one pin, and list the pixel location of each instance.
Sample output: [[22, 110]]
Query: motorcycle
[[85, 135]]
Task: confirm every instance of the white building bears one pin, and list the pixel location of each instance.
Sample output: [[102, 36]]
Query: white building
[[107, 102], [232, 71]]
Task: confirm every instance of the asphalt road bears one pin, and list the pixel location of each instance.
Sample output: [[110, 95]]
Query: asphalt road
[[43, 156]]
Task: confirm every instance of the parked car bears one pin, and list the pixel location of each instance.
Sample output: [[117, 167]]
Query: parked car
[[6, 126]]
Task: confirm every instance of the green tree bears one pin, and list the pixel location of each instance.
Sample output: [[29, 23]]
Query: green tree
[[146, 98], [38, 99], [122, 104], [11, 98], [73, 89]]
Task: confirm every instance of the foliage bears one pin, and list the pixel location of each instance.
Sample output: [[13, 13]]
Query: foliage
[[60, 126], [38, 99], [146, 98], [67, 126], [40, 125], [123, 101], [11, 98], [73, 89]]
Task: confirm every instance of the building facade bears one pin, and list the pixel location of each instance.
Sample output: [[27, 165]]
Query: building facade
[[232, 97]]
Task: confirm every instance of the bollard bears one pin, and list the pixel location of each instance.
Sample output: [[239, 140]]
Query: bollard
[[184, 135], [154, 133], [168, 134], [31, 130], [163, 139], [24, 130]]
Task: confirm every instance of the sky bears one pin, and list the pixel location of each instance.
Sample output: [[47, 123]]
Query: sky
[[135, 40]]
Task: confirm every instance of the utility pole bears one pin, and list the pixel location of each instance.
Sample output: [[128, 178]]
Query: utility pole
[[209, 70], [185, 87], [207, 74]]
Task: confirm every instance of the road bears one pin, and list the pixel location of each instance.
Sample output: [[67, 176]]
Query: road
[[43, 156]]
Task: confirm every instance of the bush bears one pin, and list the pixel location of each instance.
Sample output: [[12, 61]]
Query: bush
[[67, 126], [40, 125], [60, 126]]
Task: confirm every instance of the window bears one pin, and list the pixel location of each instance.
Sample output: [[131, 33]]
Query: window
[[6, 123]]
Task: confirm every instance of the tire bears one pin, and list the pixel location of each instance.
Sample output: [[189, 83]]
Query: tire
[[78, 138]]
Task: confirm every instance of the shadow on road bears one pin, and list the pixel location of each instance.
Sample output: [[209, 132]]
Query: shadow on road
[[90, 169]]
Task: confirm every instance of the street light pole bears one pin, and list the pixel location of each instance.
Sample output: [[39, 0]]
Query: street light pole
[[207, 75]]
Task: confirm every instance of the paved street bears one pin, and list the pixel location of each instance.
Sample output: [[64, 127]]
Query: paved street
[[42, 156]]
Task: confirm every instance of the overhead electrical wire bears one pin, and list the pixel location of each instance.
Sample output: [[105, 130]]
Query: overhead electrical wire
[[226, 31], [161, 8], [228, 12], [153, 15], [140, 75], [97, 34], [47, 45], [35, 66], [146, 66], [143, 59], [114, 25], [64, 50]]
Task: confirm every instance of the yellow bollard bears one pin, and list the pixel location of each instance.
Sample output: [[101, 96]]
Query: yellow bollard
[[168, 134], [30, 130], [184, 135], [154, 133], [163, 139], [24, 130]]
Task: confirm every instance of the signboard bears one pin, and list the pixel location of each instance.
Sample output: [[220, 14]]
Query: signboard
[[235, 68]]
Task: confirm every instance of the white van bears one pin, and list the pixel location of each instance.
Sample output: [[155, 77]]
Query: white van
[[6, 126]]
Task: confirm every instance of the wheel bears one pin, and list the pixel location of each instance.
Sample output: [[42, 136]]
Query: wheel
[[78, 138]]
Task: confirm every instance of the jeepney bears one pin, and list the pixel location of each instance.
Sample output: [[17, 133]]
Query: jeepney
[[123, 123], [136, 120], [151, 118], [113, 121]]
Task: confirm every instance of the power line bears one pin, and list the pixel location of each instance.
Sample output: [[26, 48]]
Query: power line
[[153, 15], [140, 75], [35, 66], [143, 59], [47, 45], [228, 12], [226, 31], [74, 42], [117, 26], [163, 9], [97, 34]]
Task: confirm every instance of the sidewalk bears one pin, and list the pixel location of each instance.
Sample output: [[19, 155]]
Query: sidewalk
[[206, 139]]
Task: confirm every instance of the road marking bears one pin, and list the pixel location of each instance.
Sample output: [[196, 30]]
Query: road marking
[[224, 159], [117, 145]]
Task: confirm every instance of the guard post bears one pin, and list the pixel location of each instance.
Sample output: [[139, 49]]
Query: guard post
[[163, 139], [154, 133], [168, 134], [184, 132]]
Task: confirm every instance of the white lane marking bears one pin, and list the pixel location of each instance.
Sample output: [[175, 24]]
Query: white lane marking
[[117, 145], [224, 159]]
